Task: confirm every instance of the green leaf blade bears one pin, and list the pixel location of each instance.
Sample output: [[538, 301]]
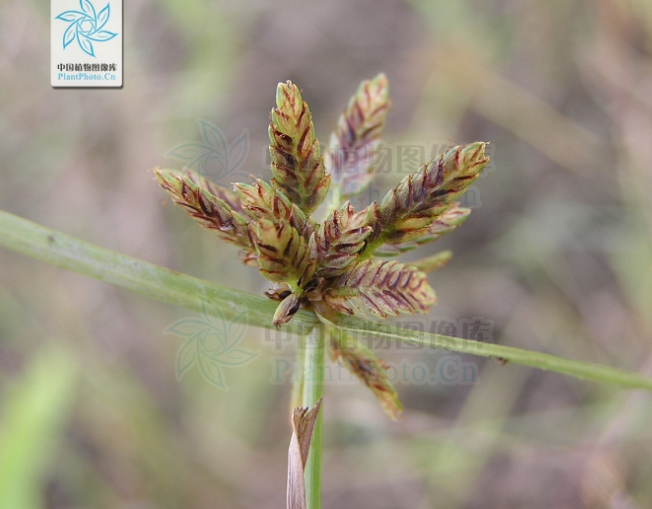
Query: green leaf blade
[[178, 289]]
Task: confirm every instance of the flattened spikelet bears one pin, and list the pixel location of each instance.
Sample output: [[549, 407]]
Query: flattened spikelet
[[283, 254], [383, 287], [261, 201], [212, 206], [355, 143], [297, 162], [362, 363], [340, 240], [413, 208]]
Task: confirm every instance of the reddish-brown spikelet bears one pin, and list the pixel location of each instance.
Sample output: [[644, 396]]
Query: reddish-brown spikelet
[[297, 163], [215, 209], [337, 244], [261, 201], [355, 142], [384, 287], [360, 361], [283, 253], [409, 210]]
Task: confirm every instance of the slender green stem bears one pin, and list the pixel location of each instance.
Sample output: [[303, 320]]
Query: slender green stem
[[296, 399], [313, 390], [181, 290]]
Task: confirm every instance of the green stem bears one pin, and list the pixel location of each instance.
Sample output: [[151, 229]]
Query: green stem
[[296, 399], [181, 290], [313, 390]]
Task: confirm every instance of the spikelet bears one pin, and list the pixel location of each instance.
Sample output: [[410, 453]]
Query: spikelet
[[297, 163], [261, 201], [355, 143], [337, 244], [412, 208], [383, 287], [212, 206], [283, 254], [445, 223], [362, 363]]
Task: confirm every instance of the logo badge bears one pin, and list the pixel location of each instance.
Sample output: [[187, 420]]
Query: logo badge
[[86, 43]]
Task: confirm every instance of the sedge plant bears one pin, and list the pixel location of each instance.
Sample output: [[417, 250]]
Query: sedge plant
[[338, 265], [326, 273]]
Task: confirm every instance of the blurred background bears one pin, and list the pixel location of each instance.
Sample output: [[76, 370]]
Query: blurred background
[[556, 257]]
